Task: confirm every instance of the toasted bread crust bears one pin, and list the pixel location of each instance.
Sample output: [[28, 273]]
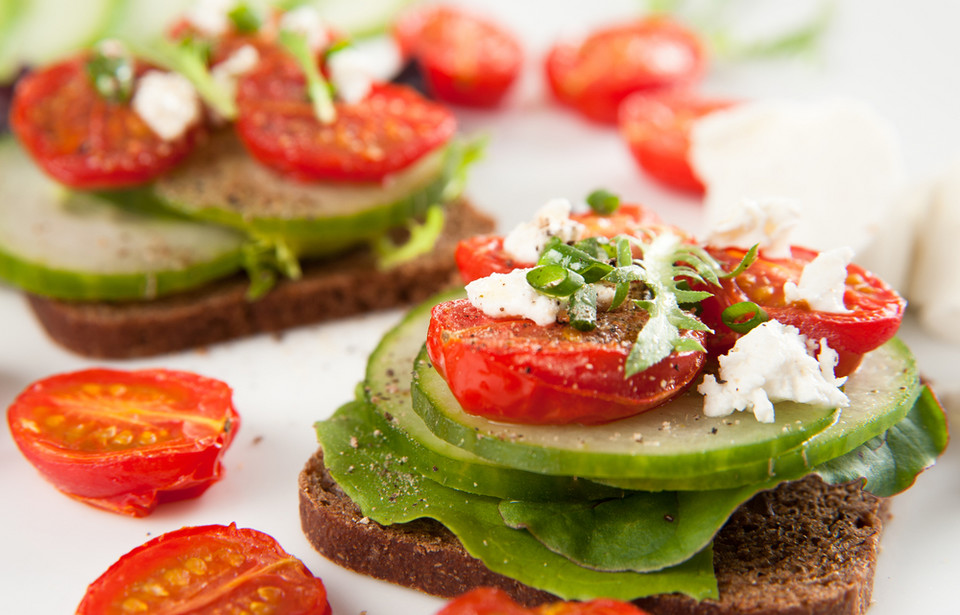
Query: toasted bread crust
[[805, 548], [329, 289]]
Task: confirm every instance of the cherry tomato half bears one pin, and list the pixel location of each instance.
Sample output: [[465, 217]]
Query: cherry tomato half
[[466, 60], [207, 569], [83, 140], [657, 128], [491, 601], [654, 54], [875, 309], [126, 441], [478, 257], [383, 133], [516, 371]]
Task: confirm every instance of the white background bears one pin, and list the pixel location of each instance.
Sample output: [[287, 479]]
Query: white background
[[900, 57]]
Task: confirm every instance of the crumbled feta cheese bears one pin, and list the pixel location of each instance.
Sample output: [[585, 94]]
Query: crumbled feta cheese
[[767, 222], [227, 72], [210, 17], [167, 102], [350, 75], [525, 242], [771, 364], [822, 282], [503, 295], [306, 20]]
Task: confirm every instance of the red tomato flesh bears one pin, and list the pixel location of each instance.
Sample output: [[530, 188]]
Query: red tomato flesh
[[654, 54], [126, 441], [657, 131], [480, 256], [492, 601], [84, 141], [515, 371], [876, 310], [383, 133], [466, 59], [206, 570]]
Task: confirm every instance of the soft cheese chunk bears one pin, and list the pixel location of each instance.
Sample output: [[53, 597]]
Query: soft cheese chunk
[[306, 20], [210, 17], [227, 72], [822, 282], [503, 295], [768, 365], [525, 242], [167, 102], [767, 223]]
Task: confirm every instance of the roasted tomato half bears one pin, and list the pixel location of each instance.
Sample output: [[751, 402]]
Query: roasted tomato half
[[875, 309], [126, 441], [654, 54], [491, 601], [466, 59], [478, 257], [207, 569], [516, 371], [85, 141]]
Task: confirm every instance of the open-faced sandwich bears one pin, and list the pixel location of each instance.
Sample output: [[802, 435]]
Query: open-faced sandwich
[[615, 409], [248, 173]]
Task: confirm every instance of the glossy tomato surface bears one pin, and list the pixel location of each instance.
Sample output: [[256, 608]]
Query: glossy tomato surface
[[480, 256], [491, 601], [383, 133], [207, 570], [83, 140], [466, 59], [513, 370], [657, 128], [875, 309], [654, 54], [126, 441]]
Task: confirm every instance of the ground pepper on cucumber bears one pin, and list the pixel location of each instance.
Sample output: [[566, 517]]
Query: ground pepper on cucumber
[[610, 390]]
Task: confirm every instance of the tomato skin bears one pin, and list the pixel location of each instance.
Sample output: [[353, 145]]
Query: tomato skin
[[515, 371], [876, 310], [492, 601], [206, 569], [126, 441], [383, 133], [480, 256], [82, 140], [654, 54], [466, 59], [657, 131]]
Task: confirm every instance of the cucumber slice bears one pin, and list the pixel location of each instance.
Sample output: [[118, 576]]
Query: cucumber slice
[[387, 389], [72, 245], [222, 183]]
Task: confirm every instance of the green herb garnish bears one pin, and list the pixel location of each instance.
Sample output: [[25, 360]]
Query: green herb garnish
[[245, 20], [318, 89], [744, 316], [603, 202], [112, 75]]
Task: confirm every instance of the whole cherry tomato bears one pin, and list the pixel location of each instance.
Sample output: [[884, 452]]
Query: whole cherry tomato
[[491, 601], [513, 370], [207, 569], [466, 59], [654, 54], [84, 140], [657, 128], [126, 441], [875, 309]]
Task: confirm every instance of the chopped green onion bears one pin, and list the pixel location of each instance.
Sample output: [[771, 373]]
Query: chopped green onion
[[583, 308], [748, 259], [317, 87], [569, 257], [735, 316], [555, 280], [112, 75], [244, 19], [603, 202]]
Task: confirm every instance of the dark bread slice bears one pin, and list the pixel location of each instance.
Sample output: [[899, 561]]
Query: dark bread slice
[[332, 288], [805, 548]]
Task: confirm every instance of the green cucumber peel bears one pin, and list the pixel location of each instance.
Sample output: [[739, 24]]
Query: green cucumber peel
[[381, 485]]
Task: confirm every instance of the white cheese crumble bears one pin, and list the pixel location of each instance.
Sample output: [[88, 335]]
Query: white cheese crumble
[[210, 17], [525, 242], [306, 20], [167, 102], [769, 364], [350, 75], [767, 223], [227, 72], [503, 295], [822, 282]]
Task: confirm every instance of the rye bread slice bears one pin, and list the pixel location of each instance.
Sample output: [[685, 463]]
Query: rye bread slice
[[332, 288], [805, 548]]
